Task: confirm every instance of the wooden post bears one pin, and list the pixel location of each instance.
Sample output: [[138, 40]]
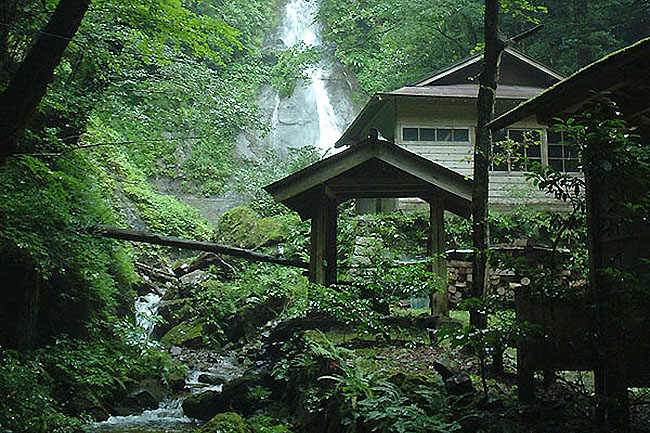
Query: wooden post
[[612, 399], [525, 373], [322, 257], [331, 242], [439, 300]]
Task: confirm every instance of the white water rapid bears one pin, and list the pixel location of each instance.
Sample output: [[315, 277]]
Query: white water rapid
[[167, 418]]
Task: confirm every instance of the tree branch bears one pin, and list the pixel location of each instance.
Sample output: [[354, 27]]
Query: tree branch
[[523, 35]]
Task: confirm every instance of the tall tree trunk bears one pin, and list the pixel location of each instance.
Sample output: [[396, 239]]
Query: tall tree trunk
[[23, 94], [27, 326], [488, 79], [7, 15]]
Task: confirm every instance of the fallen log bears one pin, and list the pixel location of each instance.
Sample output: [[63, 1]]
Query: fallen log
[[141, 236], [205, 260], [155, 274]]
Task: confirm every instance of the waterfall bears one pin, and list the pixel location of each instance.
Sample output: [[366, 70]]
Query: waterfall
[[313, 103]]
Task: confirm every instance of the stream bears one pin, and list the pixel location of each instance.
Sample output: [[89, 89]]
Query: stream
[[169, 416]]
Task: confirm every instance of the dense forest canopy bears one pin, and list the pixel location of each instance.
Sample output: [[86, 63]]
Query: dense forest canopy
[[141, 119], [388, 44]]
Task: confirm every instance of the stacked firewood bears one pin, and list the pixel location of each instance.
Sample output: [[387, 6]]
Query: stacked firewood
[[459, 281], [501, 282]]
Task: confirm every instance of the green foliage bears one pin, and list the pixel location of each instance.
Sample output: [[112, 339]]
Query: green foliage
[[44, 389], [617, 159], [339, 389], [347, 305], [26, 402], [387, 43], [266, 424], [291, 67], [255, 290], [390, 410]]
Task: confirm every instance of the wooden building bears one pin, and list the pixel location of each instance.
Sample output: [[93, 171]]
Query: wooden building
[[436, 115], [608, 331]]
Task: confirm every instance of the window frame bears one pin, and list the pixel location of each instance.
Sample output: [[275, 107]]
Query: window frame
[[565, 156], [402, 127]]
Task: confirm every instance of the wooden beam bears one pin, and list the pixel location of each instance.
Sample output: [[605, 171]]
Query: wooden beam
[[141, 236]]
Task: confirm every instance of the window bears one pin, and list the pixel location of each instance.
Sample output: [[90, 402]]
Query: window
[[436, 134], [524, 148], [561, 155], [410, 134]]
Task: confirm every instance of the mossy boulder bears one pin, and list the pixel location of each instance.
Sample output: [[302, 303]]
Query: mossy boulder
[[243, 227], [203, 405], [252, 315], [173, 312], [187, 334], [175, 377], [85, 402], [228, 422], [144, 395]]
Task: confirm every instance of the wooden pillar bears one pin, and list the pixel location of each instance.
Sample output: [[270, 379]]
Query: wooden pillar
[[439, 301], [322, 257], [525, 372], [611, 386]]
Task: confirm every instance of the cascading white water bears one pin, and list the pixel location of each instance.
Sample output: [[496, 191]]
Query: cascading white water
[[167, 418], [146, 308], [299, 26]]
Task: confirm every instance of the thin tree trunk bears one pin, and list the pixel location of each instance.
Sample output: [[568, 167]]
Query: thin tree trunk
[[584, 55], [23, 94], [27, 329], [488, 79]]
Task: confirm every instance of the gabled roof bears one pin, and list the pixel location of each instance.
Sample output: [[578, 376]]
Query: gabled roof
[[521, 78], [460, 71], [373, 168], [623, 73]]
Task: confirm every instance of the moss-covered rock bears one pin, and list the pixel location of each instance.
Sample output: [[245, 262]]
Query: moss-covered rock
[[203, 405], [253, 315], [228, 422], [175, 377], [242, 226], [187, 334], [173, 312]]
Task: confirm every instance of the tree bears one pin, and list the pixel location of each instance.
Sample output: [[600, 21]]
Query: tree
[[19, 100], [488, 79], [494, 46]]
